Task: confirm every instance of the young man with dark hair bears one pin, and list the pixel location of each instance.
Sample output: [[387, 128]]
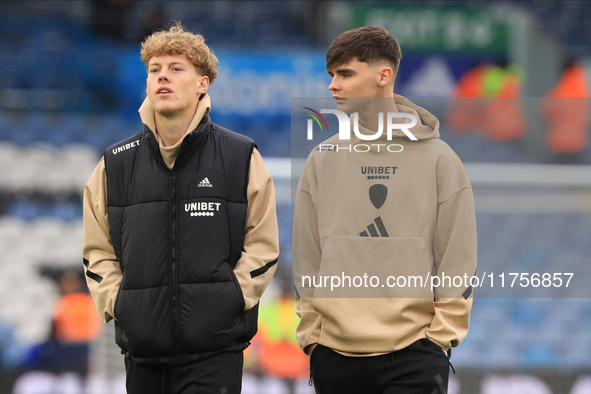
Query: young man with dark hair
[[180, 231], [421, 216]]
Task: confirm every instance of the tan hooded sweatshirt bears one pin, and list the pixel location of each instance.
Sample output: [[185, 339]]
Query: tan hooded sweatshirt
[[261, 240], [421, 221]]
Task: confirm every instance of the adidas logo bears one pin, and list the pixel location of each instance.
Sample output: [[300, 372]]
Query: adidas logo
[[205, 183], [373, 232]]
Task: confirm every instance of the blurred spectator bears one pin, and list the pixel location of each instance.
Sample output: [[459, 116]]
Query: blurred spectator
[[464, 113], [275, 347], [74, 318], [503, 118], [500, 119], [568, 117], [75, 323]]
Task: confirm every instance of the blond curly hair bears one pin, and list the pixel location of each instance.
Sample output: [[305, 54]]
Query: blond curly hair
[[178, 41]]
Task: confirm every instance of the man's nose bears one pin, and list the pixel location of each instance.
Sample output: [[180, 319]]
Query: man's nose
[[163, 77], [333, 86]]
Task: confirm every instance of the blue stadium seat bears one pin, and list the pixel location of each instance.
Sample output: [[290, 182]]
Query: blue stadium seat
[[67, 210], [59, 132], [24, 209], [30, 130], [5, 126], [539, 355]]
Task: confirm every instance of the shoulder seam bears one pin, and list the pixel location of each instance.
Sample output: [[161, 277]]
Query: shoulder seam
[[261, 188], [455, 194]]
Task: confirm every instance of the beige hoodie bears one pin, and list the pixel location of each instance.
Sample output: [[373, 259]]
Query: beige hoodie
[[261, 240], [426, 226]]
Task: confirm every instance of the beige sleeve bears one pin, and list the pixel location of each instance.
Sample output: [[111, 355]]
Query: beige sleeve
[[306, 257], [455, 255], [260, 252], [103, 273]]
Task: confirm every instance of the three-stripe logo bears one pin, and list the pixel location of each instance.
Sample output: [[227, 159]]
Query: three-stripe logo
[[205, 183], [373, 232]]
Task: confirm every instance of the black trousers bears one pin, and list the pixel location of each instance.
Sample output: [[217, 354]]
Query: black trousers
[[221, 374], [421, 368]]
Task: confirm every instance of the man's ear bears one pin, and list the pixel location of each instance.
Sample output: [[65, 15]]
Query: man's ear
[[203, 84], [385, 76]]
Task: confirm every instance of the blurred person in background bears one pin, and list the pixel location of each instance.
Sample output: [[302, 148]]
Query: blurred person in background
[[486, 99], [279, 354], [274, 351], [180, 231], [425, 217], [74, 326], [565, 109], [74, 319]]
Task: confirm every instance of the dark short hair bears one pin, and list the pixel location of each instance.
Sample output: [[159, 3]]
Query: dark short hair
[[368, 44]]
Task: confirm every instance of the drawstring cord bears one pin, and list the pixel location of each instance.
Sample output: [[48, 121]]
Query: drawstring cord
[[452, 367], [449, 361]]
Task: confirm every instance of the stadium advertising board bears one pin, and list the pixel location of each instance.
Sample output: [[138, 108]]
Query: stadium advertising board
[[437, 28]]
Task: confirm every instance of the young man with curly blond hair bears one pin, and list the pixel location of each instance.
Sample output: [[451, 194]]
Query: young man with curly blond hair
[[180, 231]]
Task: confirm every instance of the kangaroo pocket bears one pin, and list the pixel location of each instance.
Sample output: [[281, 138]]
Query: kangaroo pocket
[[144, 319], [392, 269], [368, 267]]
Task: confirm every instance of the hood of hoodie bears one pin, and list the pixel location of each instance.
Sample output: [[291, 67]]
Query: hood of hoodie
[[169, 153], [427, 126]]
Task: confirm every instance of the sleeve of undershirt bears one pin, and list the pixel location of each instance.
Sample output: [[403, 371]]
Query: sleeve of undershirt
[[103, 273], [260, 253]]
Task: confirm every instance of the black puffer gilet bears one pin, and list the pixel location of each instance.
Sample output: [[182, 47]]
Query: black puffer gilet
[[178, 235]]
